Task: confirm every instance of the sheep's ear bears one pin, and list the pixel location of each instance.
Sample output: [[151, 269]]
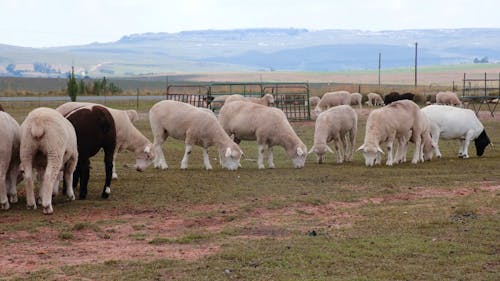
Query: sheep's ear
[[300, 152], [361, 147], [380, 150], [147, 149], [228, 152], [329, 149]]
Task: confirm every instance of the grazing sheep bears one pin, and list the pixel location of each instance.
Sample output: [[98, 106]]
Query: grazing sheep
[[336, 123], [95, 129], [196, 126], [448, 98], [9, 159], [426, 148], [356, 99], [374, 99], [388, 123], [267, 125], [267, 99], [48, 144], [448, 122], [127, 135], [333, 99]]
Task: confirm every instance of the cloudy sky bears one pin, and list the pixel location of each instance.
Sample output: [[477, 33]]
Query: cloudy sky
[[44, 23]]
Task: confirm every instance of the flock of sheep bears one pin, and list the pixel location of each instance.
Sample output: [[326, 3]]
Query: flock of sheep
[[60, 141]]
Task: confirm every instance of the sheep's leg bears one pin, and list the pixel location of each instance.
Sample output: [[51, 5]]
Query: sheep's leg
[[159, 139], [337, 150], [270, 157], [84, 164], [352, 140], [185, 159], [29, 186], [390, 159], [206, 159], [12, 183], [435, 138], [114, 175], [4, 200], [344, 148], [260, 158], [108, 164], [49, 177], [466, 143], [418, 143], [68, 178]]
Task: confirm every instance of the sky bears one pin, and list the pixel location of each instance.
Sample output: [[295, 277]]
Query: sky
[[48, 23]]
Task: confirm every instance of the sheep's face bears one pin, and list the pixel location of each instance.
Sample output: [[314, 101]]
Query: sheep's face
[[144, 158], [230, 158], [372, 155], [428, 150], [299, 157], [320, 151]]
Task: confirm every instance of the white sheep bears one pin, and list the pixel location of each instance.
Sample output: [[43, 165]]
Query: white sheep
[[333, 99], [9, 159], [267, 125], [128, 137], [48, 144], [390, 123], [313, 102], [267, 99], [337, 123], [374, 99], [195, 126], [132, 115], [448, 122], [448, 98], [356, 99]]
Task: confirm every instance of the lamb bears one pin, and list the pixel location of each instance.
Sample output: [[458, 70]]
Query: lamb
[[127, 136], [313, 101], [395, 96], [356, 99], [267, 125], [374, 99], [196, 126], [333, 99], [267, 99], [388, 123], [9, 159], [448, 98], [336, 123], [448, 122], [48, 144]]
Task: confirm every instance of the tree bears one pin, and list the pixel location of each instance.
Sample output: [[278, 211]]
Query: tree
[[72, 88]]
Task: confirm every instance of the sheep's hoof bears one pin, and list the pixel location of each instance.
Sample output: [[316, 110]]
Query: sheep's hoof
[[260, 167], [5, 206], [271, 166], [71, 197], [47, 210], [13, 198], [114, 176], [208, 168], [106, 192], [32, 206]]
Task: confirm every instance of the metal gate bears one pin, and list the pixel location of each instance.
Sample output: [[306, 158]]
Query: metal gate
[[481, 92], [197, 95], [292, 98]]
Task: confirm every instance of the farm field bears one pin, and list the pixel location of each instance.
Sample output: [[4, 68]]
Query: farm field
[[433, 221]]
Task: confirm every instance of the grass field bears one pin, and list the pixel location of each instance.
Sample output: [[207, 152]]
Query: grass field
[[433, 221]]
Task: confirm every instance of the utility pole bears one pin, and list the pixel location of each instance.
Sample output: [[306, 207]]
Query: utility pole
[[416, 48], [379, 65]]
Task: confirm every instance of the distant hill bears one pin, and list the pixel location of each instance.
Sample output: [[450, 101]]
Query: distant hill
[[254, 50]]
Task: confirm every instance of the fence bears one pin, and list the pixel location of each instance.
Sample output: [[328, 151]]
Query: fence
[[480, 92]]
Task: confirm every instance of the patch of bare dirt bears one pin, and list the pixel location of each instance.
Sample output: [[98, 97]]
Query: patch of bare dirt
[[128, 238]]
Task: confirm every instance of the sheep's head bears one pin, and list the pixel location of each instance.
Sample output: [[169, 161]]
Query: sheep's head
[[372, 154], [270, 99], [320, 150], [230, 157], [429, 147], [299, 156], [144, 158]]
